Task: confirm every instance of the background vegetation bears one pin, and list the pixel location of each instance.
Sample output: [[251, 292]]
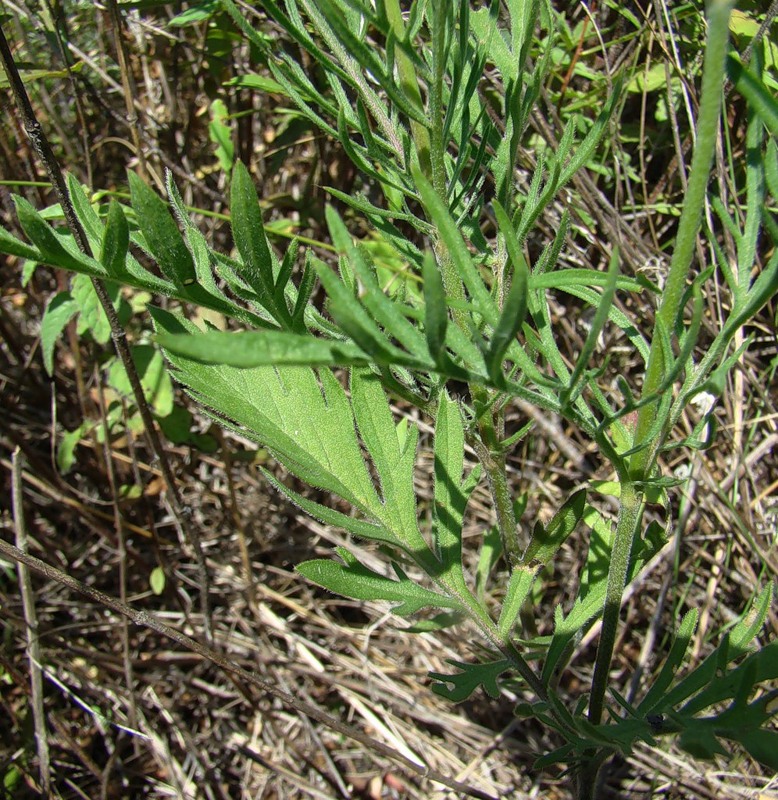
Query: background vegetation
[[154, 87]]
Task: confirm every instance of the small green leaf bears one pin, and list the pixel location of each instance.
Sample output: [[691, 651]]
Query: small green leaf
[[154, 378], [462, 684], [67, 447], [220, 133], [12, 246], [257, 82], [131, 491], [438, 623], [435, 308], [353, 579], [92, 316], [546, 541], [157, 581], [519, 587], [60, 310], [751, 624], [197, 12], [648, 80]]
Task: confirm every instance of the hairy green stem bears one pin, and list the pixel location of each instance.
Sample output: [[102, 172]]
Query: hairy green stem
[[588, 777], [688, 226], [497, 477], [630, 514]]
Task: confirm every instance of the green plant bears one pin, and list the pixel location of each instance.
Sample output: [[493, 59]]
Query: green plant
[[406, 97]]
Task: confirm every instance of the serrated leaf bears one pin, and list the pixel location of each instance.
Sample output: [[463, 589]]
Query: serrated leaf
[[52, 248], [60, 310], [308, 424], [377, 429], [161, 234], [115, 242], [460, 685], [756, 668], [262, 348], [353, 579], [249, 233]]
